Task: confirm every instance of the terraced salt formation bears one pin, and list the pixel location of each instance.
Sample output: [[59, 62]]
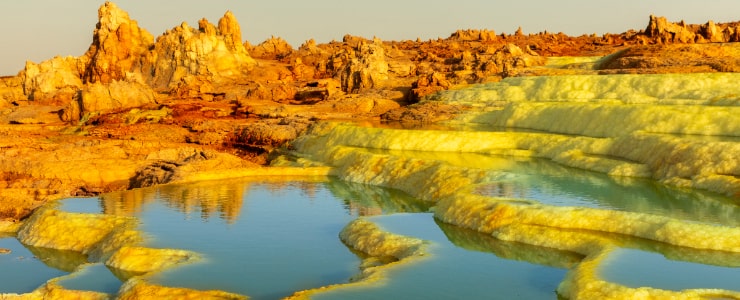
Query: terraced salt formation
[[681, 130]]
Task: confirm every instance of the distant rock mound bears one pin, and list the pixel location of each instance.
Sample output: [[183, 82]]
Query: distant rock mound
[[660, 31], [274, 48], [474, 35]]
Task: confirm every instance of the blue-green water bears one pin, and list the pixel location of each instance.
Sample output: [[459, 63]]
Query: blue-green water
[[264, 240], [92, 277], [268, 240], [634, 268], [554, 184], [452, 272], [23, 271]]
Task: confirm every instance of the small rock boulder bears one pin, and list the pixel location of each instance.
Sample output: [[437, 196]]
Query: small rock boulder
[[55, 81]]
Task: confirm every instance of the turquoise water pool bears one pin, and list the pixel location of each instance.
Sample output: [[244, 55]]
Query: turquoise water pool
[[270, 238]]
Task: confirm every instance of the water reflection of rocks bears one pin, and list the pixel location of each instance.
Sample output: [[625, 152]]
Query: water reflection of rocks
[[65, 260], [367, 200], [476, 241], [224, 199], [221, 199]]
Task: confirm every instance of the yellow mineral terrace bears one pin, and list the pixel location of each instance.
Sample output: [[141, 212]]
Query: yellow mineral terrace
[[681, 130]]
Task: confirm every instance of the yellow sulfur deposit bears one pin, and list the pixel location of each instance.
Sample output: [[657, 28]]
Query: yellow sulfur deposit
[[368, 238], [583, 282], [69, 231], [681, 160], [53, 291], [144, 260], [490, 215], [615, 119], [137, 288], [690, 89], [108, 238], [682, 130]]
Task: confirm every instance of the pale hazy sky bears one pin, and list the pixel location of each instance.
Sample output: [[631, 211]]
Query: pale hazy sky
[[37, 30]]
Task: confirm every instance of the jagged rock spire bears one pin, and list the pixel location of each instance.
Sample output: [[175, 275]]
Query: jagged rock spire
[[118, 46], [230, 29]]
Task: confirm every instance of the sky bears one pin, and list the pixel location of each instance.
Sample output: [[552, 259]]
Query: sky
[[37, 30]]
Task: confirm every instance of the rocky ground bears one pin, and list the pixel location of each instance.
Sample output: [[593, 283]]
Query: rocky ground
[[135, 111]]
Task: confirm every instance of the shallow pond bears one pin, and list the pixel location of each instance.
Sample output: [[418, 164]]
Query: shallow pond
[[554, 184], [266, 240], [269, 239], [451, 271], [635, 268], [27, 269]]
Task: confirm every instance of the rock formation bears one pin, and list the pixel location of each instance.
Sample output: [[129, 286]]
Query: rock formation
[[674, 58], [366, 68], [99, 97], [660, 31], [11, 89], [55, 81], [119, 46], [207, 52], [474, 35], [274, 48]]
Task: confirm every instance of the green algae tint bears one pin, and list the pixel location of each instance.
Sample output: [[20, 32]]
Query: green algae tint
[[550, 183], [553, 184], [634, 268], [93, 277], [21, 271]]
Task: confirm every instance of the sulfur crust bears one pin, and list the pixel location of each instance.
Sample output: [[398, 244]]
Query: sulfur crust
[[489, 215], [612, 119], [53, 291], [102, 237], [678, 89], [138, 288], [145, 260], [55, 229], [366, 237], [583, 282], [355, 154], [680, 160]]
